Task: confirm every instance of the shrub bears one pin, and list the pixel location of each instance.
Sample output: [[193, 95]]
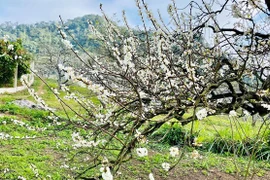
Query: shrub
[[173, 135]]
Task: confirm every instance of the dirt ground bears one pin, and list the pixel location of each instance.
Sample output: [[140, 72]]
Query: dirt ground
[[208, 175]]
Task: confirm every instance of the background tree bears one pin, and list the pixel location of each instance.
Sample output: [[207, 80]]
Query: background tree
[[33, 35], [53, 53], [13, 55]]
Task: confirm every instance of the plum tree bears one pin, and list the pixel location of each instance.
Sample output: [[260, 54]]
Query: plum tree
[[193, 64]]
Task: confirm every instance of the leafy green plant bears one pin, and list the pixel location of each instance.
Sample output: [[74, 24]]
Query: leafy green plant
[[173, 135], [13, 109]]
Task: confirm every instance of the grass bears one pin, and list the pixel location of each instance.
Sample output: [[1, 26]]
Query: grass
[[29, 143], [221, 134], [219, 126], [35, 147]]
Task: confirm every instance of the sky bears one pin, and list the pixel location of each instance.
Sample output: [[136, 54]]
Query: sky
[[32, 11]]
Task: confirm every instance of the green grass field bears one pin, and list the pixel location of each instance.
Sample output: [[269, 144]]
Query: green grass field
[[34, 146]]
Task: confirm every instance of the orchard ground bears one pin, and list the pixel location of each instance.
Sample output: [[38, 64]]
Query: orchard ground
[[33, 146]]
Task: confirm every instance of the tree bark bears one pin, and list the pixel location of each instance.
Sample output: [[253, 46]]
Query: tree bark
[[16, 76]]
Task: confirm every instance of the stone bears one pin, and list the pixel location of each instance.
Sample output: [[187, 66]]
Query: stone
[[27, 104]]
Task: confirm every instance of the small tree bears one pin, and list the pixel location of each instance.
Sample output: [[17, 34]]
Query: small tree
[[13, 56], [50, 57]]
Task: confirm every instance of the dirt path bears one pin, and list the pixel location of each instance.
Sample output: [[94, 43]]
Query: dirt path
[[3, 115], [40, 89]]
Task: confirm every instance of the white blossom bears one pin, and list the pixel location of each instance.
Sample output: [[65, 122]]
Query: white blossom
[[81, 142], [106, 173], [151, 176], [11, 47], [232, 113], [6, 170], [267, 106], [64, 166], [246, 113], [105, 160], [56, 91], [166, 166], [61, 67], [17, 122], [6, 37], [63, 34], [195, 155], [195, 143], [174, 151], [34, 169], [5, 136], [67, 43], [21, 178], [142, 152], [201, 114]]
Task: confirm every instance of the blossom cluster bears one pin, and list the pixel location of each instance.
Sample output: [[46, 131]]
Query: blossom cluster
[[79, 141], [6, 136]]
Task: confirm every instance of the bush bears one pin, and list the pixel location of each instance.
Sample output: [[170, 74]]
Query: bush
[[173, 135]]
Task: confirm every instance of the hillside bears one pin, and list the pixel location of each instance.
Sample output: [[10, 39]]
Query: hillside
[[34, 35]]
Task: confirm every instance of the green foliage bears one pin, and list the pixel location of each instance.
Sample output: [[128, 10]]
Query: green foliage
[[171, 135], [13, 109]]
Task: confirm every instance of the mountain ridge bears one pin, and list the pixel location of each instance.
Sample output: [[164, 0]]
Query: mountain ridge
[[36, 34]]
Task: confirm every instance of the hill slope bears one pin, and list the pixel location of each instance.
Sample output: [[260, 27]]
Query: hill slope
[[34, 35]]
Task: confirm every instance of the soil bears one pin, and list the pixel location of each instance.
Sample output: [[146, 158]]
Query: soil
[[213, 174], [189, 173]]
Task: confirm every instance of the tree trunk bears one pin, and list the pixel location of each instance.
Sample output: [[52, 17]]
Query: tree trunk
[[16, 76]]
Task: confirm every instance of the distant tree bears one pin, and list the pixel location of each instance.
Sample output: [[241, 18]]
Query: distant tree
[[31, 34], [52, 55], [12, 55]]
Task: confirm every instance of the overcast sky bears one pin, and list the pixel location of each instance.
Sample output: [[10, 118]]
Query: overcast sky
[[32, 11]]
